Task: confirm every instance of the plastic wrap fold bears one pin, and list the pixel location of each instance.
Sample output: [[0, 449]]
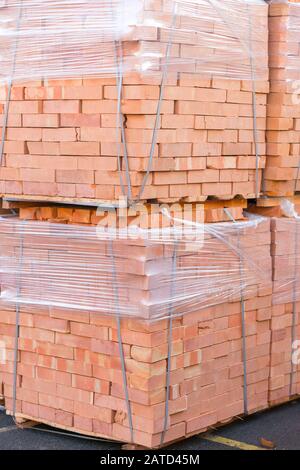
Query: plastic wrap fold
[[64, 38], [150, 274]]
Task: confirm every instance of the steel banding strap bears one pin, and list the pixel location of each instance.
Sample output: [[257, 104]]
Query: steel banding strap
[[243, 313], [170, 336], [17, 326], [10, 83], [121, 350]]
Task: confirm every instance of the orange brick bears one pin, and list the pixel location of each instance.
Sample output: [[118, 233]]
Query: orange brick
[[83, 423], [61, 106], [90, 384], [98, 107], [93, 134], [79, 120], [50, 375], [40, 120], [74, 394], [37, 334], [59, 135], [72, 340], [80, 148], [53, 324], [40, 189], [74, 367], [72, 315], [43, 93], [42, 148], [93, 412], [25, 107], [142, 92], [82, 92], [23, 134], [75, 176], [37, 175]]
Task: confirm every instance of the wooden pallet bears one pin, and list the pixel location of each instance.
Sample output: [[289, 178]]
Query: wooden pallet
[[276, 201], [23, 202], [24, 421], [15, 201]]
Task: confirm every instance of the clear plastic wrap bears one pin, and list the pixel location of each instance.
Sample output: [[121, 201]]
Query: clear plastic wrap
[[150, 274], [63, 38], [285, 250]]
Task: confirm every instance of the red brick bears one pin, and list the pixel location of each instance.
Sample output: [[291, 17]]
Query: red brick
[[42, 93], [53, 324], [59, 135], [93, 412], [23, 134], [73, 340], [79, 120], [90, 384], [82, 92], [41, 120], [80, 148], [61, 106]]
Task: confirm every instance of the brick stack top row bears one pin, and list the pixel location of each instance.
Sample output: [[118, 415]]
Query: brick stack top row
[[88, 79]]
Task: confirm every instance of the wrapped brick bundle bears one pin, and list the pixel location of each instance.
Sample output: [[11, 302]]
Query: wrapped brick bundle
[[177, 109], [282, 171], [71, 361], [71, 38]]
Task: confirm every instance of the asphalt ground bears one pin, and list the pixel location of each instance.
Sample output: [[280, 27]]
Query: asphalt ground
[[279, 427]]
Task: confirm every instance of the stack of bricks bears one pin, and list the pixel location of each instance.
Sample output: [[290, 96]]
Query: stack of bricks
[[284, 375], [283, 128], [69, 369], [62, 142], [61, 138]]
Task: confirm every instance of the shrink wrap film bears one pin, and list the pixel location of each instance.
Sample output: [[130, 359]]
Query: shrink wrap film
[[149, 274]]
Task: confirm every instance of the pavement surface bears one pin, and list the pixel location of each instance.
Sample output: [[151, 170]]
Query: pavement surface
[[279, 426]]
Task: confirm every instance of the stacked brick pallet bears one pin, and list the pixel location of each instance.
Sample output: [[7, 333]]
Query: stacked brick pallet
[[204, 146], [69, 286], [282, 174], [69, 369], [205, 142]]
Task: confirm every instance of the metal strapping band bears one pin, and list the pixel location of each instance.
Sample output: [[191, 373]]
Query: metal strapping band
[[17, 328], [245, 388], [118, 318], [170, 335], [10, 83]]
